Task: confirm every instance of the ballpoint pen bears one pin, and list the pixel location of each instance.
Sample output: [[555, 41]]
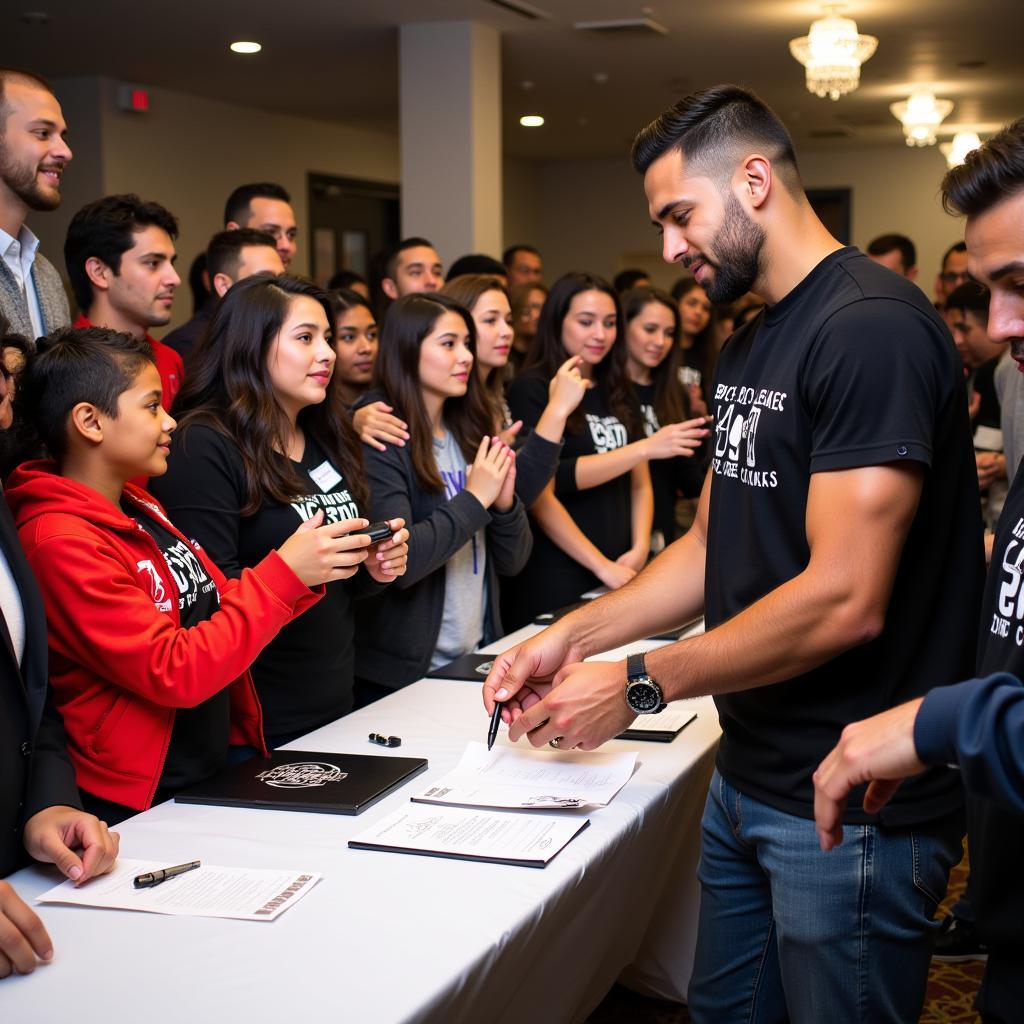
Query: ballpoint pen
[[151, 878], [492, 730]]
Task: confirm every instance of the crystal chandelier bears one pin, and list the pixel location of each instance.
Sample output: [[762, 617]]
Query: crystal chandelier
[[920, 114], [956, 151], [832, 52]]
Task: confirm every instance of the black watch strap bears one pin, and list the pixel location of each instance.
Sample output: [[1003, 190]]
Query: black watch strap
[[635, 665]]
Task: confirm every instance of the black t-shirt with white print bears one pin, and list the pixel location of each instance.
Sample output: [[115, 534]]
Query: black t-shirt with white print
[[304, 676], [199, 737], [551, 578], [852, 368]]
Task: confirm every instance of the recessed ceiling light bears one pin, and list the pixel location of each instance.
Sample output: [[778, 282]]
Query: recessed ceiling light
[[531, 120], [246, 47]]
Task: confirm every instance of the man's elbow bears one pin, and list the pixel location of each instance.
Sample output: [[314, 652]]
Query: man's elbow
[[857, 622]]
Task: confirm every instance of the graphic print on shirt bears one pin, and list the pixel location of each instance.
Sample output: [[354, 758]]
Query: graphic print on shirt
[[1008, 616], [651, 424], [336, 507], [156, 585], [189, 575], [607, 433], [737, 417]]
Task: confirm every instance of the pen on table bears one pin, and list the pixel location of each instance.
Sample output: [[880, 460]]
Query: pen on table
[[492, 729], [151, 878]]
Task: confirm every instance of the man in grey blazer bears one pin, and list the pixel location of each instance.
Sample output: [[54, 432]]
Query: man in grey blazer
[[33, 155]]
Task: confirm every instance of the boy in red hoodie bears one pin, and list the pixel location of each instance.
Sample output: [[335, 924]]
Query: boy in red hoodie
[[150, 645]]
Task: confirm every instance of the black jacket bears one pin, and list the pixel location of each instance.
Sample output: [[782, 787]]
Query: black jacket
[[35, 771], [396, 632]]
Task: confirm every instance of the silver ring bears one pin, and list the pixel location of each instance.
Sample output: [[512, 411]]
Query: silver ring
[[554, 743]]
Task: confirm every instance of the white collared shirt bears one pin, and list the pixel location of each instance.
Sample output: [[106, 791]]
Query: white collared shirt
[[19, 254]]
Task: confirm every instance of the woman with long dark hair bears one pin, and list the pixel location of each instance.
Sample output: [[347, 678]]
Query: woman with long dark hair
[[697, 344], [486, 299], [454, 482], [264, 441], [593, 521], [652, 362]]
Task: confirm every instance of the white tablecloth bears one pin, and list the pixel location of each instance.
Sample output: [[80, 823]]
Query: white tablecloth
[[386, 937]]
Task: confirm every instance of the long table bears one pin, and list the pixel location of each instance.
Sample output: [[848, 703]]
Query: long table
[[392, 938]]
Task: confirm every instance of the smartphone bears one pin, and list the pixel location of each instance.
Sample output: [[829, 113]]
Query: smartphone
[[378, 531]]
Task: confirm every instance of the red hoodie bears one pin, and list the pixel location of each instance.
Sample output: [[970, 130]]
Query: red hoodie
[[120, 663]]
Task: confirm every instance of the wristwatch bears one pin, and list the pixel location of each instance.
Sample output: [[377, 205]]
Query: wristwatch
[[643, 694]]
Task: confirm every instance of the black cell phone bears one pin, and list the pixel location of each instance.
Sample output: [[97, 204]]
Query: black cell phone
[[378, 531]]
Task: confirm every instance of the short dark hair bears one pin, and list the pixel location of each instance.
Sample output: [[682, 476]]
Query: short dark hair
[[708, 127], [625, 280], [509, 255], [18, 75], [888, 243], [224, 253], [73, 365], [414, 242], [988, 174], [955, 247], [104, 229], [237, 207], [971, 297], [475, 263], [344, 278]]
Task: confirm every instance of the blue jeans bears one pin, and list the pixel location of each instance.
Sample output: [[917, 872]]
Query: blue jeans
[[789, 933]]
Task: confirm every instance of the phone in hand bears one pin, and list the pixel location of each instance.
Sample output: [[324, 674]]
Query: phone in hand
[[378, 531]]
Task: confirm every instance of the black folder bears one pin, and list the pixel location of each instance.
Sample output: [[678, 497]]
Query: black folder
[[306, 780], [471, 667]]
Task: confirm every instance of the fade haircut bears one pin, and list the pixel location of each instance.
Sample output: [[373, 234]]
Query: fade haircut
[[104, 229], [237, 208], [889, 243], [17, 75], [74, 365], [989, 174], [224, 253], [391, 264], [715, 128]]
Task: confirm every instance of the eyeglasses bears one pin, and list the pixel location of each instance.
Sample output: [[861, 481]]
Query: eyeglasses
[[955, 276]]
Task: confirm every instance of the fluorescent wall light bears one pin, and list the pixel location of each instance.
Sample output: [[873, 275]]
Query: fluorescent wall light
[[243, 46], [531, 120]]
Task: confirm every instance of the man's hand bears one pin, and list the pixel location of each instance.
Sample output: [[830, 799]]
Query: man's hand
[[878, 750], [22, 935], [585, 707], [78, 843], [522, 675], [991, 467]]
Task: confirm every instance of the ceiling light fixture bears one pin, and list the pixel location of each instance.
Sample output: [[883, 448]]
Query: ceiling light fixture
[[920, 114], [244, 46], [832, 52], [956, 151], [531, 120]]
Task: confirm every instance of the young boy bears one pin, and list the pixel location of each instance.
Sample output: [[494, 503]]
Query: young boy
[[150, 645]]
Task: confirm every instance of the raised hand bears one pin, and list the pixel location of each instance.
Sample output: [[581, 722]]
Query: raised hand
[[486, 477]]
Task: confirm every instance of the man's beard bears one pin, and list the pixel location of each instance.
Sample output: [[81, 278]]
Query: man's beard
[[22, 181], [737, 248]]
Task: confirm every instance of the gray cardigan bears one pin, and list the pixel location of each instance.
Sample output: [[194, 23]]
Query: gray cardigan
[[53, 300], [396, 631]]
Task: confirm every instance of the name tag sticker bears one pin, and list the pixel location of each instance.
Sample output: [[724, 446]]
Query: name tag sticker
[[325, 476]]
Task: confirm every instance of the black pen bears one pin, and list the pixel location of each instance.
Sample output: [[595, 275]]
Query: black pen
[[492, 730], [151, 878]]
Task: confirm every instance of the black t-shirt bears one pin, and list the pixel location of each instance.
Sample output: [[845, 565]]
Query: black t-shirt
[[551, 578], [304, 676], [996, 834], [199, 738], [670, 478], [852, 368]]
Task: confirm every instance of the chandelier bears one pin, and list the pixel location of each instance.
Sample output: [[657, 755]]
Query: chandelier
[[832, 52], [956, 151], [920, 114]]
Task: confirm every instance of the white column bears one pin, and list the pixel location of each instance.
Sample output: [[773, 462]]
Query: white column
[[450, 95]]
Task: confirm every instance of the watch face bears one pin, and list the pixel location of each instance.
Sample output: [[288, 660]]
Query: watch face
[[643, 697]]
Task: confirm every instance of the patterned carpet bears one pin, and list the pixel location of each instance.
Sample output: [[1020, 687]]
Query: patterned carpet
[[951, 988]]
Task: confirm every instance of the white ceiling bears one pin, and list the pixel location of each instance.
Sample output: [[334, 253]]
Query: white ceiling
[[338, 60]]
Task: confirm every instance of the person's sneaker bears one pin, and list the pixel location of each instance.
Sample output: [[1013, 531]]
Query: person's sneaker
[[957, 941]]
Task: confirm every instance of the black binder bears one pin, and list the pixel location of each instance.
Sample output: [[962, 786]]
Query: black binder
[[306, 780], [471, 667]]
